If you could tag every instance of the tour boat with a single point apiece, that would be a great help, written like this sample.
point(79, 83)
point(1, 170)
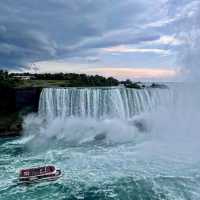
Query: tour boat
point(49, 173)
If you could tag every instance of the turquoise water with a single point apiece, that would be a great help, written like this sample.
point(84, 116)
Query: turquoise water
point(159, 162)
point(123, 171)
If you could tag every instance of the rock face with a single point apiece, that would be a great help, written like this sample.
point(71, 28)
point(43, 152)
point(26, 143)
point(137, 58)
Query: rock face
point(7, 100)
point(14, 103)
point(10, 124)
point(27, 98)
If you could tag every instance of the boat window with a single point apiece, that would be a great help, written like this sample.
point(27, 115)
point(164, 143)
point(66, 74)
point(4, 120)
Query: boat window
point(52, 168)
point(37, 171)
point(25, 173)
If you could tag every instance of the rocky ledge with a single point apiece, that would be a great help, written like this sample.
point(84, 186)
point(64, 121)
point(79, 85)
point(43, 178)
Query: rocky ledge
point(10, 124)
point(14, 104)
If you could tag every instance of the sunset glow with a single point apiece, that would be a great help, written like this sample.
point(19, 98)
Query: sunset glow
point(136, 73)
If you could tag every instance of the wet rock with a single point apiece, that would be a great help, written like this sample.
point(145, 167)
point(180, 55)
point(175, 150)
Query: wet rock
point(158, 85)
point(100, 137)
point(140, 124)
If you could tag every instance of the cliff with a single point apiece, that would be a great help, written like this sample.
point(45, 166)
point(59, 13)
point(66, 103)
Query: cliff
point(14, 103)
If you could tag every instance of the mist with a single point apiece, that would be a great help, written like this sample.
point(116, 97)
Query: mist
point(188, 56)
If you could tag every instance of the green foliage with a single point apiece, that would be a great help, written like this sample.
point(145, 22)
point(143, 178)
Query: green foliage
point(5, 80)
point(65, 80)
point(72, 79)
point(4, 75)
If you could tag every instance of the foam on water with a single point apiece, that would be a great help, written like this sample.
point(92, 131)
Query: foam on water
point(158, 161)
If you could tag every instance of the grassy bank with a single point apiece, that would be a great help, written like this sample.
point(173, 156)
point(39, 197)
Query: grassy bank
point(42, 83)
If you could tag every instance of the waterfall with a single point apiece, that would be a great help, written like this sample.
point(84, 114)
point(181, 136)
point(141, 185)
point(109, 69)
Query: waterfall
point(98, 103)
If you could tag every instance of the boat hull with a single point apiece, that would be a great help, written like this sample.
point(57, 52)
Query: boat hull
point(35, 179)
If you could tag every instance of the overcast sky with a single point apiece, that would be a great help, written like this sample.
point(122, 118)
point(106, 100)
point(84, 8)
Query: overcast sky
point(124, 38)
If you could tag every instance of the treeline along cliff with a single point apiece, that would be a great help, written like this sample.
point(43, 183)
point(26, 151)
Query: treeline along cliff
point(20, 93)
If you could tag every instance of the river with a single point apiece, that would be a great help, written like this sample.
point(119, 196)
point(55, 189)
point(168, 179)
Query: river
point(110, 143)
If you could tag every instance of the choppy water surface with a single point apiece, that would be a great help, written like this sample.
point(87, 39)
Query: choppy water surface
point(159, 162)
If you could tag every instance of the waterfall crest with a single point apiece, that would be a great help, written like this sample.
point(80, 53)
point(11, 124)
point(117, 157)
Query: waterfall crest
point(99, 103)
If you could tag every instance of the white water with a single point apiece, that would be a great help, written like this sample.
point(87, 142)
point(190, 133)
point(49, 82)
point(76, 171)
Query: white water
point(76, 115)
point(98, 103)
point(159, 162)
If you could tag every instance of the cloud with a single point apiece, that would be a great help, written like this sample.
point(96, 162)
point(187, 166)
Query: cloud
point(32, 31)
point(91, 31)
point(175, 12)
point(92, 59)
point(121, 73)
point(119, 37)
point(136, 73)
point(126, 49)
point(168, 40)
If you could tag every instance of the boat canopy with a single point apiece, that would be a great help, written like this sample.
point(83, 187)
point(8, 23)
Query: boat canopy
point(37, 171)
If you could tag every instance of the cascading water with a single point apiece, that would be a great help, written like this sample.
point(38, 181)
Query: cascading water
point(80, 115)
point(111, 143)
point(100, 103)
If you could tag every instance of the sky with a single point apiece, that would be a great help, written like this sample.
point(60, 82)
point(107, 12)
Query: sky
point(136, 39)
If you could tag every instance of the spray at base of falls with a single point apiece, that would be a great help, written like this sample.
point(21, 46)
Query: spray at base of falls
point(78, 116)
point(112, 115)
